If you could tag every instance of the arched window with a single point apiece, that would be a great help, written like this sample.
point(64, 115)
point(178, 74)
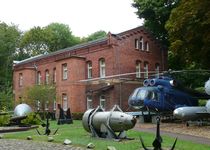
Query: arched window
point(146, 70)
point(141, 43)
point(64, 71)
point(54, 75)
point(102, 68)
point(146, 46)
point(157, 69)
point(65, 101)
point(39, 78)
point(47, 76)
point(138, 69)
point(20, 79)
point(136, 44)
point(89, 69)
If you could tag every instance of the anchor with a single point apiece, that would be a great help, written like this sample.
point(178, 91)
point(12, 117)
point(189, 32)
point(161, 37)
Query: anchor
point(158, 139)
point(47, 127)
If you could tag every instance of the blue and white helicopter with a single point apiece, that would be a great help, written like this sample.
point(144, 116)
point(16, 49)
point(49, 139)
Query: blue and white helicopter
point(164, 94)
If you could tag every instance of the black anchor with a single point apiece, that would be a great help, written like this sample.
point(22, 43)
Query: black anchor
point(158, 139)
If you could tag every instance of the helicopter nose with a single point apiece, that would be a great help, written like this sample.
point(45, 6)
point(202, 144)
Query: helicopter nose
point(137, 104)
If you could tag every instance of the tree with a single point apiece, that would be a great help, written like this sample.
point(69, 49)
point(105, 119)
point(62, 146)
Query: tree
point(155, 14)
point(59, 36)
point(189, 34)
point(9, 38)
point(96, 35)
point(44, 94)
point(33, 42)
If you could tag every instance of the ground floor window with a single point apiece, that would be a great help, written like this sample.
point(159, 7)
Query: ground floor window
point(65, 101)
point(102, 101)
point(89, 102)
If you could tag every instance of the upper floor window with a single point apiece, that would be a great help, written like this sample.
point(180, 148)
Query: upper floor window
point(102, 68)
point(64, 71)
point(54, 75)
point(89, 69)
point(146, 46)
point(136, 44)
point(65, 101)
point(146, 70)
point(89, 102)
point(47, 77)
point(138, 69)
point(141, 43)
point(102, 101)
point(39, 78)
point(157, 69)
point(20, 79)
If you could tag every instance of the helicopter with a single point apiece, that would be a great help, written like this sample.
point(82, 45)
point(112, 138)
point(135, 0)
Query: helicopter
point(164, 94)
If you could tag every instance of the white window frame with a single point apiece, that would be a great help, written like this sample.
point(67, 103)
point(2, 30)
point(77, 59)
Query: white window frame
point(47, 76)
point(65, 101)
point(54, 75)
point(102, 101)
point(141, 43)
point(146, 70)
point(64, 71)
point(157, 70)
point(54, 105)
point(20, 79)
point(102, 68)
point(46, 105)
point(138, 69)
point(146, 46)
point(136, 44)
point(39, 78)
point(89, 69)
point(89, 102)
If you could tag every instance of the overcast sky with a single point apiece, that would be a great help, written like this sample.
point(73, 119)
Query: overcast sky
point(83, 16)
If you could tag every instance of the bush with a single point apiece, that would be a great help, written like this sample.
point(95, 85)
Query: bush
point(32, 119)
point(4, 120)
point(77, 116)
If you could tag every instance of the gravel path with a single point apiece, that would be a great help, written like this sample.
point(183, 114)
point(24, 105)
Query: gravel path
point(177, 132)
point(8, 144)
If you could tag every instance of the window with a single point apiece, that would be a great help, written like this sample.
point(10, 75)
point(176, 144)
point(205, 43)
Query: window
point(138, 69)
point(65, 71)
point(141, 43)
point(157, 70)
point(65, 101)
point(54, 75)
point(39, 78)
point(136, 44)
point(46, 106)
point(102, 68)
point(47, 76)
point(38, 105)
point(89, 102)
point(102, 101)
point(20, 79)
point(146, 70)
point(146, 46)
point(54, 105)
point(89, 70)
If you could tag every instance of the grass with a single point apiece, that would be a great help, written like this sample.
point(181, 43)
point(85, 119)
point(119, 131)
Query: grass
point(80, 137)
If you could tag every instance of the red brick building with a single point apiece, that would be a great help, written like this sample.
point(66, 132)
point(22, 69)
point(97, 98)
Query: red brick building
point(101, 72)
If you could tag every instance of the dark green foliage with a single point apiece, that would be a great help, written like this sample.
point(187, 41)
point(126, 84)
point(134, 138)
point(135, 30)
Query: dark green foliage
point(95, 36)
point(189, 34)
point(32, 119)
point(77, 116)
point(155, 14)
point(4, 120)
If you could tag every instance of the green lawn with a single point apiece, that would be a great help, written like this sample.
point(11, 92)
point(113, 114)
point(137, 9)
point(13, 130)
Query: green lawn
point(80, 137)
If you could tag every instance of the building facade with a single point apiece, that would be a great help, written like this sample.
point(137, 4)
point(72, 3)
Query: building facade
point(101, 72)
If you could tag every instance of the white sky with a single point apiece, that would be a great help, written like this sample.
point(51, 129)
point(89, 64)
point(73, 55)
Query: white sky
point(83, 16)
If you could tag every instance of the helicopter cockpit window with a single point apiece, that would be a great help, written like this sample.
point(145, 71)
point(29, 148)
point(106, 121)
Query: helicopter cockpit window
point(142, 94)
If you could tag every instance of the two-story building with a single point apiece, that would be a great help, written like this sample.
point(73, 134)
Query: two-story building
point(101, 72)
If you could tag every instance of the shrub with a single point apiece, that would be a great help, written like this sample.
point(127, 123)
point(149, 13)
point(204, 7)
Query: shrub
point(32, 119)
point(4, 120)
point(77, 115)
